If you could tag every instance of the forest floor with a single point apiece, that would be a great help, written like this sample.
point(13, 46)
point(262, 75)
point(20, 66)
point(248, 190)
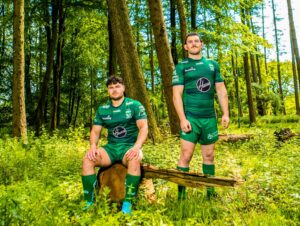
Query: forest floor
point(40, 182)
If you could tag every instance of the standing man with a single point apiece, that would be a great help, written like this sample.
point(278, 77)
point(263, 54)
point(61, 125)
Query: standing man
point(126, 122)
point(195, 80)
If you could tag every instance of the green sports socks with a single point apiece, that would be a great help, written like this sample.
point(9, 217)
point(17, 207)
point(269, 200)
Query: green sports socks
point(209, 170)
point(131, 184)
point(181, 189)
point(89, 183)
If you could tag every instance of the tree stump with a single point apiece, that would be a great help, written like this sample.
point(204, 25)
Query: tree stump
point(114, 176)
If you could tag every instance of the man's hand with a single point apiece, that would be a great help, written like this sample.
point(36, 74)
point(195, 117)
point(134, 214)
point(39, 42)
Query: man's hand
point(185, 125)
point(133, 153)
point(225, 121)
point(93, 153)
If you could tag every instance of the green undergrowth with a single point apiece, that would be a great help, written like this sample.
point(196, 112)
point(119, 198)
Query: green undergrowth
point(40, 183)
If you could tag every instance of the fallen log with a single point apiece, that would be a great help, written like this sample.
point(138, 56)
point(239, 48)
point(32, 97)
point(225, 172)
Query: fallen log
point(113, 177)
point(188, 179)
point(285, 134)
point(235, 137)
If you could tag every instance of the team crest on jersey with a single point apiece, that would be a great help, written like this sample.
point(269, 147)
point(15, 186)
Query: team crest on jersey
point(211, 66)
point(119, 132)
point(142, 111)
point(128, 114)
point(203, 85)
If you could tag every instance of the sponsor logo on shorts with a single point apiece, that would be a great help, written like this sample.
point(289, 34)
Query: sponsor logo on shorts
point(210, 136)
point(203, 85)
point(119, 132)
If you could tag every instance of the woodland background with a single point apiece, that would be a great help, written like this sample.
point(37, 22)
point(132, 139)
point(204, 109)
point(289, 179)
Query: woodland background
point(55, 57)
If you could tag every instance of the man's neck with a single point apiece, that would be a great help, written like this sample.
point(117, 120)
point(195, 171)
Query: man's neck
point(117, 103)
point(195, 57)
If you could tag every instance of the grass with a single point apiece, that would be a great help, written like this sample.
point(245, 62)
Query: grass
point(40, 183)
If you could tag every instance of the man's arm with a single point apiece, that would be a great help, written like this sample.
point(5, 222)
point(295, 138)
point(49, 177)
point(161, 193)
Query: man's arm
point(94, 138)
point(223, 100)
point(178, 104)
point(142, 125)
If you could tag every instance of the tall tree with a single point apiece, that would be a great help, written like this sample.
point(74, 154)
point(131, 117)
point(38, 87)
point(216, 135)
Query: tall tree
point(112, 61)
point(183, 29)
point(278, 59)
point(18, 94)
point(51, 45)
point(264, 35)
point(128, 59)
point(294, 38)
point(295, 55)
point(252, 116)
point(57, 70)
point(164, 56)
point(173, 31)
point(193, 14)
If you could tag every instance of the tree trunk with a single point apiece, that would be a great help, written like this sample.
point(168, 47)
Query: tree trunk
point(278, 60)
point(129, 61)
point(166, 64)
point(51, 41)
point(264, 36)
point(28, 94)
point(112, 61)
point(237, 92)
point(173, 31)
point(294, 39)
point(57, 71)
point(77, 110)
point(18, 92)
point(183, 29)
point(249, 91)
point(193, 14)
point(151, 60)
point(296, 90)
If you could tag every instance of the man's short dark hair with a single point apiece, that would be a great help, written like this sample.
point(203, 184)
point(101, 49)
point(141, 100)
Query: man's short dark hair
point(114, 80)
point(192, 34)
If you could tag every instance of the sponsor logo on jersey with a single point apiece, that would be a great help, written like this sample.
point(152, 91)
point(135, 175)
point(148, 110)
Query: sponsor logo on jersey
point(116, 111)
point(119, 132)
point(212, 135)
point(105, 106)
point(211, 66)
point(185, 62)
point(199, 63)
point(203, 85)
point(129, 103)
point(108, 117)
point(189, 69)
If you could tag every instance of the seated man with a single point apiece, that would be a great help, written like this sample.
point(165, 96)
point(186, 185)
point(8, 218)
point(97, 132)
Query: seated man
point(126, 122)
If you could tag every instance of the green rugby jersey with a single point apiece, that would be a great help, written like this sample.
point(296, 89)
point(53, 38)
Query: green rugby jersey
point(121, 121)
point(199, 78)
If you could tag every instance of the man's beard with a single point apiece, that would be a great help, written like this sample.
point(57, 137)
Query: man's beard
point(116, 98)
point(195, 53)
